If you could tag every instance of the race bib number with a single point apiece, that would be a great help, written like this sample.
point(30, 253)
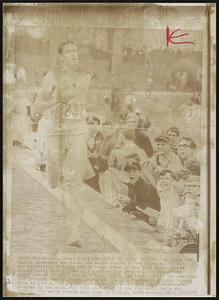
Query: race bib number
point(74, 111)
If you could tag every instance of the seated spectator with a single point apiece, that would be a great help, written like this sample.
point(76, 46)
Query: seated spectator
point(140, 193)
point(141, 138)
point(103, 151)
point(168, 201)
point(173, 134)
point(179, 186)
point(186, 149)
point(165, 158)
point(187, 213)
point(94, 136)
point(130, 149)
point(116, 177)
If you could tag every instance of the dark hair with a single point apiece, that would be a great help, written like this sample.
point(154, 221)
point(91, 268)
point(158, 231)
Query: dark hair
point(174, 129)
point(132, 165)
point(60, 49)
point(190, 140)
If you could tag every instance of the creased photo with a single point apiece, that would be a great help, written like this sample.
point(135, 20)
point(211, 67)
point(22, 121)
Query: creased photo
point(109, 117)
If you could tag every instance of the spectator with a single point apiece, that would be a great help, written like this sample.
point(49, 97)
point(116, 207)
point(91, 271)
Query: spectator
point(104, 149)
point(165, 158)
point(130, 148)
point(141, 194)
point(143, 142)
point(141, 139)
point(94, 136)
point(143, 121)
point(186, 149)
point(168, 201)
point(173, 134)
point(187, 213)
point(129, 106)
point(117, 179)
point(179, 183)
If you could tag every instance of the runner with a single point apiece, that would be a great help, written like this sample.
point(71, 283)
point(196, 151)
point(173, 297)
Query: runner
point(63, 94)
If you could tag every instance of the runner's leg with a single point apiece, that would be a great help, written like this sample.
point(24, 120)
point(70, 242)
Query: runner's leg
point(53, 161)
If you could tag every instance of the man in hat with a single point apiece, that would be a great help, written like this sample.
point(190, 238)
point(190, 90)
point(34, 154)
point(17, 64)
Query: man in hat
point(165, 158)
point(186, 149)
point(141, 193)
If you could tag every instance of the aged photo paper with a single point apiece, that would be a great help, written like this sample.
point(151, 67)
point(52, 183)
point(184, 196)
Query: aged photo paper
point(109, 149)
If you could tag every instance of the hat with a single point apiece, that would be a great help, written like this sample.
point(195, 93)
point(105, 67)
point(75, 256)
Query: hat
point(132, 165)
point(162, 138)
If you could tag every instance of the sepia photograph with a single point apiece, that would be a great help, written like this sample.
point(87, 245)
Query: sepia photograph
point(108, 110)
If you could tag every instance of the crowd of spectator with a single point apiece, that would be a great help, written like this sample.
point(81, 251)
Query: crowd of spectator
point(159, 184)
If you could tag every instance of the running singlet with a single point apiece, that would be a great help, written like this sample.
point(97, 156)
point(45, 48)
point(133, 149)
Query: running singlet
point(70, 88)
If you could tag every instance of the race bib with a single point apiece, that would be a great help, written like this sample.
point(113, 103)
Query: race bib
point(72, 111)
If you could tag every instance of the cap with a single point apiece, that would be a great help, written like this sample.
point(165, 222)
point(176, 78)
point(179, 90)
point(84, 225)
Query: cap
point(162, 138)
